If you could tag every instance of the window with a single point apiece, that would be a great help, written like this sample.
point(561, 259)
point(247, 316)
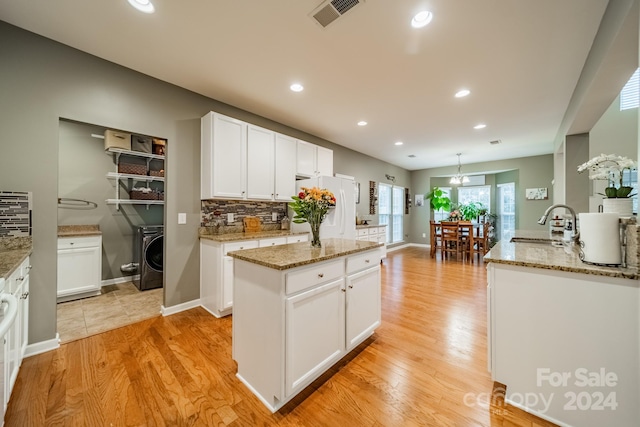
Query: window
point(391, 211)
point(442, 215)
point(506, 226)
point(629, 94)
point(480, 193)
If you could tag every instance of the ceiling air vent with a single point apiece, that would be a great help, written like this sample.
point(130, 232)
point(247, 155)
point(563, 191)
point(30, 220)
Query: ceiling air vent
point(495, 141)
point(331, 10)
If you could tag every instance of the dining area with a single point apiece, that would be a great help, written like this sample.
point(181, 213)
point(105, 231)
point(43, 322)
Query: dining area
point(459, 240)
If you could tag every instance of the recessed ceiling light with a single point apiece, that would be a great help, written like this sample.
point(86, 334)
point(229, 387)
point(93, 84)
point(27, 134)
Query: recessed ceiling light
point(142, 5)
point(480, 126)
point(296, 87)
point(462, 93)
point(399, 143)
point(362, 123)
point(421, 19)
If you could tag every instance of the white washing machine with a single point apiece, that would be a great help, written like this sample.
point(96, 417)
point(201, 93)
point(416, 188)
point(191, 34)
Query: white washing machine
point(149, 253)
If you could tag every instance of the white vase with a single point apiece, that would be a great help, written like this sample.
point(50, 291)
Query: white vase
point(623, 206)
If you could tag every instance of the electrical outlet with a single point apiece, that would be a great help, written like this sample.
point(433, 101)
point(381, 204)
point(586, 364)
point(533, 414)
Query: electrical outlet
point(182, 218)
point(424, 235)
point(230, 218)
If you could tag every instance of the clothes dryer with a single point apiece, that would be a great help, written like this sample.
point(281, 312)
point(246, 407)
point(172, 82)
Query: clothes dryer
point(150, 249)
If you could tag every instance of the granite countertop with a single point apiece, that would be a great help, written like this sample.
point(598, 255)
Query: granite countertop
point(546, 256)
point(283, 257)
point(13, 250)
point(79, 230)
point(235, 237)
point(359, 226)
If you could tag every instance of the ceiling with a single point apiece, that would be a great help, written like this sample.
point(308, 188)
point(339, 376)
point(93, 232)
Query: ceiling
point(520, 59)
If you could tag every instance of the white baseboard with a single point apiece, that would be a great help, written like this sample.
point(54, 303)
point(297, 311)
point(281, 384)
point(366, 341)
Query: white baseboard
point(117, 280)
point(168, 311)
point(42, 346)
point(395, 248)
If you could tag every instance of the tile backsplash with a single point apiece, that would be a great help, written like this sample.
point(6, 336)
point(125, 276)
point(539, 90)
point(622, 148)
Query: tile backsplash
point(15, 214)
point(210, 210)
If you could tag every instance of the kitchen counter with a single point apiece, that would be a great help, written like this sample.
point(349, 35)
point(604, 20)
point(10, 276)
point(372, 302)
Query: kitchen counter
point(236, 237)
point(79, 230)
point(543, 255)
point(283, 257)
point(13, 250)
point(361, 226)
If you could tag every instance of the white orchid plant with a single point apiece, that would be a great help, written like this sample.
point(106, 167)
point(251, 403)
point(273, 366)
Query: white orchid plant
point(610, 167)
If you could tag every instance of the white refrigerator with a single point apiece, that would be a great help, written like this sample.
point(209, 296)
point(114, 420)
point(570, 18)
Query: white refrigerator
point(340, 221)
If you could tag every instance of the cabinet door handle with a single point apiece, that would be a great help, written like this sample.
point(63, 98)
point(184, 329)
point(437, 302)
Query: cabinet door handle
point(320, 275)
point(20, 279)
point(350, 286)
point(343, 289)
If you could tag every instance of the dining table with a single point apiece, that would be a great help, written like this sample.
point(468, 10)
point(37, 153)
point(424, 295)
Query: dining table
point(461, 242)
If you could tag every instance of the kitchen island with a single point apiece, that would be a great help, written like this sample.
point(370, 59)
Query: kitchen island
point(564, 336)
point(298, 310)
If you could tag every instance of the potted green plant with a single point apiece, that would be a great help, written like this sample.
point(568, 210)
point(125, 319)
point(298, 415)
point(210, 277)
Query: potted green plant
point(470, 211)
point(438, 199)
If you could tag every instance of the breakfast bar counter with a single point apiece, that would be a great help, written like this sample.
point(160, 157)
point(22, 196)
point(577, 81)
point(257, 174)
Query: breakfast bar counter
point(298, 310)
point(563, 336)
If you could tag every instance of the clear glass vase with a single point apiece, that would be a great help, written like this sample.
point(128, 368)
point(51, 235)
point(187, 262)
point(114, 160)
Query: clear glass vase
point(315, 235)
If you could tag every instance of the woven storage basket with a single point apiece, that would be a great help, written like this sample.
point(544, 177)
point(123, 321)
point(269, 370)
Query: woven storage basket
point(132, 168)
point(141, 195)
point(156, 173)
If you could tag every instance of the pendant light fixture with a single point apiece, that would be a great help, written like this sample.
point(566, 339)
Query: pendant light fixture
point(458, 178)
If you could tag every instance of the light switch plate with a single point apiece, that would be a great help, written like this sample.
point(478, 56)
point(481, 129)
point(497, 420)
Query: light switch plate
point(182, 218)
point(230, 218)
point(274, 216)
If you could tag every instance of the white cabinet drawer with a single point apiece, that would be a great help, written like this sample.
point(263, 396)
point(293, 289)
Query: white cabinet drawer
point(79, 242)
point(363, 232)
point(298, 238)
point(314, 275)
point(361, 261)
point(273, 241)
point(382, 230)
point(238, 246)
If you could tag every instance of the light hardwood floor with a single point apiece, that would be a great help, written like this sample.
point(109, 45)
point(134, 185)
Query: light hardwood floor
point(424, 366)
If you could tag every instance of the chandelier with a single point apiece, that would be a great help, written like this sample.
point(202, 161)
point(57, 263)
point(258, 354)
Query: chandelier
point(458, 178)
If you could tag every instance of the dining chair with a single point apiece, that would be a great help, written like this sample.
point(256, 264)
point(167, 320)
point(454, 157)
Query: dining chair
point(450, 239)
point(435, 236)
point(465, 238)
point(480, 244)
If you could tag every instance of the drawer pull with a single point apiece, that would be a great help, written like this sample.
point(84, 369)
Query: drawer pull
point(320, 275)
point(241, 247)
point(20, 279)
point(366, 261)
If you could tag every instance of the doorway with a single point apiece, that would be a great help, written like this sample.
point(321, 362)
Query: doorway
point(95, 194)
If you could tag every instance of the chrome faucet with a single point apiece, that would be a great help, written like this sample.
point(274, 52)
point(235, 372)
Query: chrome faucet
point(543, 219)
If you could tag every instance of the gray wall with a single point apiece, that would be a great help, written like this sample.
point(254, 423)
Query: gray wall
point(576, 152)
point(42, 81)
point(531, 172)
point(83, 166)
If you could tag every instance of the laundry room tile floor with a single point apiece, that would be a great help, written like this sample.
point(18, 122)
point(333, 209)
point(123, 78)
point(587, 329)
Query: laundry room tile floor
point(119, 305)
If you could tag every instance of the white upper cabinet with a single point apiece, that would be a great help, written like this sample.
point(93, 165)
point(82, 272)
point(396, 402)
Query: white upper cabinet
point(285, 167)
point(313, 160)
point(224, 154)
point(324, 161)
point(243, 161)
point(260, 163)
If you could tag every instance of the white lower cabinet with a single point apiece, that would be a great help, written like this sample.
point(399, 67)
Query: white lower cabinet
point(290, 326)
point(17, 337)
point(216, 270)
point(374, 234)
point(314, 333)
point(79, 267)
point(363, 305)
